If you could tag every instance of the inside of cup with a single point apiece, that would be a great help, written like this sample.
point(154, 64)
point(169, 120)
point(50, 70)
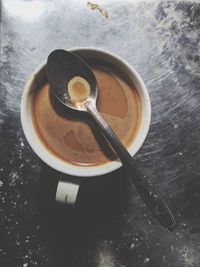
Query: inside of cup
point(39, 76)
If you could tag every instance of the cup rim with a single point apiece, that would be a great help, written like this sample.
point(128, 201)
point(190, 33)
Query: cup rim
point(77, 170)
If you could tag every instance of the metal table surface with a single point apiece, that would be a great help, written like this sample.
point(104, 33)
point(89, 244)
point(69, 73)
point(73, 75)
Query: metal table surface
point(110, 225)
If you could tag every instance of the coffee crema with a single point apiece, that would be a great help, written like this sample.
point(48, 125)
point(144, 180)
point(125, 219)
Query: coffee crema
point(78, 89)
point(73, 136)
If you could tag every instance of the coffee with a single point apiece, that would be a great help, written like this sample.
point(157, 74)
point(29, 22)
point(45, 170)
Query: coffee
point(73, 137)
point(78, 89)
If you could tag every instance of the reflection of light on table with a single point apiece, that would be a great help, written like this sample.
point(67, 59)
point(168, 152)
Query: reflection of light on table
point(25, 10)
point(187, 254)
point(106, 254)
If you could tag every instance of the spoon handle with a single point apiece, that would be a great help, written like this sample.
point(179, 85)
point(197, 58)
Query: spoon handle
point(145, 187)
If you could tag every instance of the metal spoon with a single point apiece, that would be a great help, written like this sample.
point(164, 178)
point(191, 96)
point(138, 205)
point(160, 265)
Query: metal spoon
point(62, 66)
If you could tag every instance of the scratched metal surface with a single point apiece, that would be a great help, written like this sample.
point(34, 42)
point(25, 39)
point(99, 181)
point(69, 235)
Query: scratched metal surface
point(110, 226)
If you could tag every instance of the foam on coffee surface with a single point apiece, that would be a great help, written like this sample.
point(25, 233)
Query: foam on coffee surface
point(78, 141)
point(78, 89)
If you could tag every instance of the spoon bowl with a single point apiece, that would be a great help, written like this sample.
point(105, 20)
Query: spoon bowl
point(60, 72)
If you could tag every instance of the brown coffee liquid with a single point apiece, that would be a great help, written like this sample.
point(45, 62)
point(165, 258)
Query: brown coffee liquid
point(75, 138)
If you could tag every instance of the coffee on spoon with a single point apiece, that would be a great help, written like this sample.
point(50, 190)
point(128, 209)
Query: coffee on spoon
point(78, 89)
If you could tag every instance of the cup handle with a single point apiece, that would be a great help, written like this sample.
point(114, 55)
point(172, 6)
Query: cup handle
point(67, 190)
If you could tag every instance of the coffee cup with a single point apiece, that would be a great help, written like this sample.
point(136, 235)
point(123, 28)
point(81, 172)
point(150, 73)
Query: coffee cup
point(67, 190)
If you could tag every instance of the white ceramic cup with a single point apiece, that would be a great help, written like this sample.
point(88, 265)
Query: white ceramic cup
point(36, 79)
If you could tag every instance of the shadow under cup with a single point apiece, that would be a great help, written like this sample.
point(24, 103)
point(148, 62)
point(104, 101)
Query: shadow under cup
point(39, 77)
